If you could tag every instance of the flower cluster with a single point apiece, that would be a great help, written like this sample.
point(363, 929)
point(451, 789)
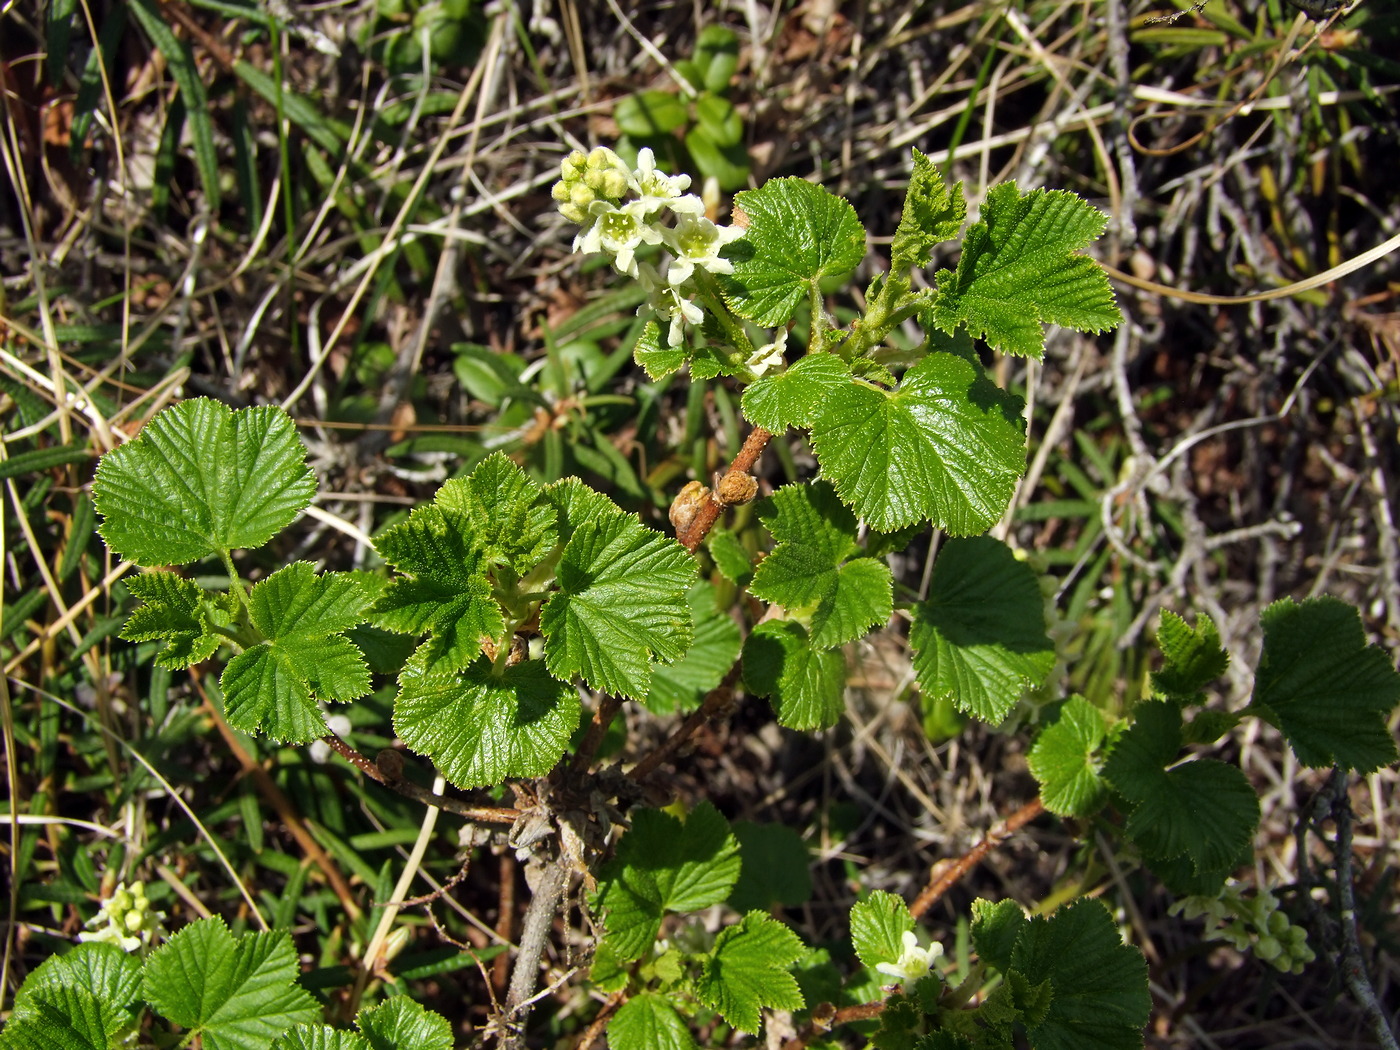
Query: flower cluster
point(1254, 924)
point(126, 919)
point(619, 209)
point(914, 962)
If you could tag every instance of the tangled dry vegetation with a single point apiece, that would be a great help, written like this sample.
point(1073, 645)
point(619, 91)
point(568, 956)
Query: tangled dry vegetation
point(371, 220)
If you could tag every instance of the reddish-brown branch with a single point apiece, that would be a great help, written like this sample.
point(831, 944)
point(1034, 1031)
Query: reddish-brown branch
point(845, 1015)
point(705, 518)
point(718, 698)
point(593, 739)
point(944, 876)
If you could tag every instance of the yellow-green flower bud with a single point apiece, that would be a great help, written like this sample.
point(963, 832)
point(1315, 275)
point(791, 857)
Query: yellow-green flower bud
point(560, 191)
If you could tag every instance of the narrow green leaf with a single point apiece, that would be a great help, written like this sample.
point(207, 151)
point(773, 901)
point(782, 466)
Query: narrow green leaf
point(878, 926)
point(200, 479)
point(1324, 687)
point(479, 727)
point(1194, 658)
point(1064, 760)
point(947, 445)
point(664, 865)
point(793, 397)
point(648, 1022)
point(1099, 983)
point(747, 971)
point(809, 573)
point(180, 61)
point(236, 993)
point(806, 684)
point(1017, 272)
point(38, 459)
point(330, 135)
point(798, 233)
point(620, 604)
point(979, 638)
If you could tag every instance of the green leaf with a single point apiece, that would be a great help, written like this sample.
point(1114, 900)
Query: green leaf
point(319, 1037)
point(806, 684)
point(732, 558)
point(717, 56)
point(878, 925)
point(682, 685)
point(747, 971)
point(1204, 808)
point(1064, 760)
point(621, 603)
point(947, 445)
point(234, 993)
point(798, 233)
point(649, 114)
point(1016, 272)
point(1194, 658)
point(174, 612)
point(1327, 690)
point(445, 591)
point(505, 516)
point(658, 362)
point(75, 1001)
point(979, 639)
point(932, 213)
point(399, 1022)
point(808, 573)
point(648, 1022)
point(775, 868)
point(277, 686)
point(995, 928)
point(1100, 999)
point(664, 865)
point(792, 398)
point(480, 727)
point(201, 479)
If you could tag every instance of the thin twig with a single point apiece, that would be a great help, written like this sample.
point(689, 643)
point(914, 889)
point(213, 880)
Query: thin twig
point(944, 878)
point(715, 702)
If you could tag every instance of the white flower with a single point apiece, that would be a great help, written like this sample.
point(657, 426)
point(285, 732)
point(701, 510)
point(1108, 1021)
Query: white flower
point(914, 963)
point(769, 355)
point(617, 231)
point(655, 189)
point(697, 242)
point(125, 919)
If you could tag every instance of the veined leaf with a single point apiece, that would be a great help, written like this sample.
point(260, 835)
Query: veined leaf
point(649, 1022)
point(1325, 688)
point(682, 685)
point(1017, 272)
point(174, 611)
point(878, 926)
point(508, 520)
point(807, 685)
point(798, 233)
point(275, 687)
point(932, 213)
point(1064, 760)
point(400, 1022)
point(793, 398)
point(201, 479)
point(1194, 658)
point(480, 727)
point(747, 971)
point(947, 445)
point(979, 638)
point(809, 573)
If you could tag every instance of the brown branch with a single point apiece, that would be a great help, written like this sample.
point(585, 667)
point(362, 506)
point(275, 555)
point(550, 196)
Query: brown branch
point(597, 729)
point(715, 702)
point(594, 1031)
point(820, 1026)
point(945, 876)
point(539, 918)
point(730, 491)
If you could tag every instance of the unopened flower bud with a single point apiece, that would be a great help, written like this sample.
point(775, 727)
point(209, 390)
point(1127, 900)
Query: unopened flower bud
point(687, 504)
point(737, 487)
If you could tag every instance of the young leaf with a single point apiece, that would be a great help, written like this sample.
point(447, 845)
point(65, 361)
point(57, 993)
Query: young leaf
point(878, 925)
point(236, 993)
point(657, 361)
point(979, 638)
point(648, 1022)
point(174, 612)
point(946, 445)
point(798, 233)
point(621, 602)
point(932, 213)
point(808, 572)
point(507, 520)
point(445, 590)
point(1064, 761)
point(1194, 658)
point(479, 727)
point(1099, 983)
point(806, 684)
point(731, 557)
point(276, 686)
point(1324, 687)
point(1016, 272)
point(1204, 808)
point(663, 865)
point(400, 1022)
point(792, 398)
point(995, 929)
point(682, 685)
point(201, 479)
point(747, 971)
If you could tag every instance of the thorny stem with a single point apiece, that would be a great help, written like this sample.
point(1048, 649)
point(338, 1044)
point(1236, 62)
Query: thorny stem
point(707, 515)
point(943, 878)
